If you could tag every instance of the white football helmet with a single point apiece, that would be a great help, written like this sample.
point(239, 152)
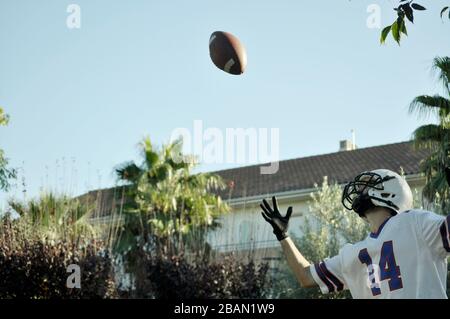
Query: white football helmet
point(380, 187)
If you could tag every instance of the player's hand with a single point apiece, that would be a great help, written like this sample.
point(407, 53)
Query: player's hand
point(279, 223)
point(447, 174)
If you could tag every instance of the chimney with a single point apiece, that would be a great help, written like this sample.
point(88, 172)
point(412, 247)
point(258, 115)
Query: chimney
point(346, 145)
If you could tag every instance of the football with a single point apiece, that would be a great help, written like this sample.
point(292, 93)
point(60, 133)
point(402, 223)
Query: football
point(227, 52)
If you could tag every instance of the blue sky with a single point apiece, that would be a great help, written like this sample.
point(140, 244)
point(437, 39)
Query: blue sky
point(81, 99)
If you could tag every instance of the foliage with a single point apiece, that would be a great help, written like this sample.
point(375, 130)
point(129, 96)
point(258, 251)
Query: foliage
point(434, 206)
point(405, 12)
point(33, 268)
point(327, 228)
point(56, 217)
point(4, 118)
point(435, 137)
point(327, 210)
point(168, 201)
point(176, 277)
point(5, 172)
point(168, 209)
point(37, 247)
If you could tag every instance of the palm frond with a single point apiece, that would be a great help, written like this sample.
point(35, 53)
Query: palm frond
point(441, 65)
point(56, 216)
point(150, 155)
point(437, 185)
point(128, 172)
point(435, 137)
point(168, 199)
point(426, 105)
point(428, 135)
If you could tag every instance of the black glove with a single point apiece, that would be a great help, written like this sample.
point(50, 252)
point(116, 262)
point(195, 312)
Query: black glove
point(279, 223)
point(447, 173)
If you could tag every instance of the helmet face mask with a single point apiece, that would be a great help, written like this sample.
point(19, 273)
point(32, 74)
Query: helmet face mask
point(381, 188)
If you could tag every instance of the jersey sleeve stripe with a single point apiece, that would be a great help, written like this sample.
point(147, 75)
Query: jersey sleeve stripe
point(324, 278)
point(339, 285)
point(445, 234)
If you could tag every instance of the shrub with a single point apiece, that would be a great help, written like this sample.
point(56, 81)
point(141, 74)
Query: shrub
point(176, 277)
point(33, 268)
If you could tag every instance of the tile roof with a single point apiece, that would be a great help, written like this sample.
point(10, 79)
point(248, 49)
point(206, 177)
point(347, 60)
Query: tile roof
point(303, 173)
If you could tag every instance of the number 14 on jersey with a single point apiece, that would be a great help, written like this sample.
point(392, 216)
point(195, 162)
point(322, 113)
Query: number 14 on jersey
point(387, 269)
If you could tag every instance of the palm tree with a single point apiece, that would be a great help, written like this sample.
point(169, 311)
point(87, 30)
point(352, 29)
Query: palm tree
point(57, 218)
point(435, 137)
point(169, 203)
point(168, 211)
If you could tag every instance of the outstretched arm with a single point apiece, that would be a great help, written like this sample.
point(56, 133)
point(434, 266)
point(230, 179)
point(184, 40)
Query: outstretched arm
point(298, 264)
point(296, 261)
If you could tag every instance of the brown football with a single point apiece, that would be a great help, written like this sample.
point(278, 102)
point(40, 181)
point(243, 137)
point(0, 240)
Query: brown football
point(227, 52)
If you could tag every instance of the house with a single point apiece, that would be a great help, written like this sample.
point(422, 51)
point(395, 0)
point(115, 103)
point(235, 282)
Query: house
point(244, 230)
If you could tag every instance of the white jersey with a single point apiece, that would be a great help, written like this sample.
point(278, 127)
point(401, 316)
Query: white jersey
point(406, 258)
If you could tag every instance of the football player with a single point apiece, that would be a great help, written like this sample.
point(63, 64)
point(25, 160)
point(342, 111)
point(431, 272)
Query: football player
point(404, 256)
